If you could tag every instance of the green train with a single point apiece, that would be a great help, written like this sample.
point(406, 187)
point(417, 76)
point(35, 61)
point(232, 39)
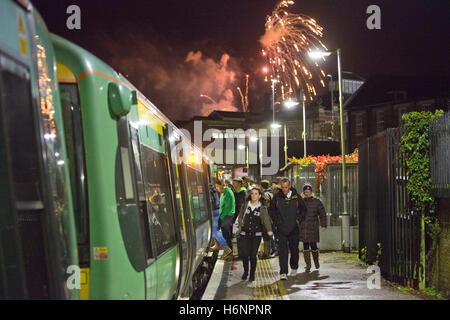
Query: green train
point(94, 204)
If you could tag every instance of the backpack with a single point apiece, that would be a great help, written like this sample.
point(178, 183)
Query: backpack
point(215, 200)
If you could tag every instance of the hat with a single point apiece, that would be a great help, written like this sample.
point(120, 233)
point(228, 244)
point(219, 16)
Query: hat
point(307, 186)
point(266, 181)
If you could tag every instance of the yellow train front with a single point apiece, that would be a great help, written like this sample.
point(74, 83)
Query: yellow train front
point(126, 218)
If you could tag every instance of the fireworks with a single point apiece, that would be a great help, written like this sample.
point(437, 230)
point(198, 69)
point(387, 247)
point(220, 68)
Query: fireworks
point(244, 99)
point(286, 43)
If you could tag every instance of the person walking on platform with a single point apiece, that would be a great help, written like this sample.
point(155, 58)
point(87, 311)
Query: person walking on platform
point(309, 227)
point(226, 210)
point(220, 241)
point(240, 195)
point(288, 209)
point(253, 219)
point(270, 246)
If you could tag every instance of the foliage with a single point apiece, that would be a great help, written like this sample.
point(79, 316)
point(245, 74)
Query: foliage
point(415, 145)
point(377, 259)
point(321, 162)
point(433, 292)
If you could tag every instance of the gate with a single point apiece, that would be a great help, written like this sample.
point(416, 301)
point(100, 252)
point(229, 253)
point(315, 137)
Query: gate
point(385, 215)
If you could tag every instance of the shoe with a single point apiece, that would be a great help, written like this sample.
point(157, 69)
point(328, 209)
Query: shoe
point(293, 272)
point(244, 276)
point(227, 253)
point(315, 254)
point(283, 276)
point(307, 257)
point(252, 277)
point(215, 247)
point(274, 254)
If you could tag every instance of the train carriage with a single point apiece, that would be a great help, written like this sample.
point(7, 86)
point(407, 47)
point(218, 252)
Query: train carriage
point(88, 179)
point(131, 222)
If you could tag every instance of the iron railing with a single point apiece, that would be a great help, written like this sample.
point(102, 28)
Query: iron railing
point(387, 223)
point(439, 156)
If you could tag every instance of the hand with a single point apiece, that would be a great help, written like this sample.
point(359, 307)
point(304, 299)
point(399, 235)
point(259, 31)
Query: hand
point(270, 233)
point(324, 228)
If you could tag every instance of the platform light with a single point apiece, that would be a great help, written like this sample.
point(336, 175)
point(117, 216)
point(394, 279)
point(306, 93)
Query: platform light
point(193, 159)
point(275, 125)
point(290, 103)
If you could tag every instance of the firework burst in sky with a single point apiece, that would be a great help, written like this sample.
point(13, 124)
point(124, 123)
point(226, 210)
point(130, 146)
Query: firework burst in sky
point(286, 43)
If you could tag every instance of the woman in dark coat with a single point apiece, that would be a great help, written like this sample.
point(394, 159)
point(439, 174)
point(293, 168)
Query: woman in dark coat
point(309, 227)
point(253, 221)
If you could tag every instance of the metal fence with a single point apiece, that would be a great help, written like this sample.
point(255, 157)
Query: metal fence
point(331, 189)
point(439, 156)
point(387, 223)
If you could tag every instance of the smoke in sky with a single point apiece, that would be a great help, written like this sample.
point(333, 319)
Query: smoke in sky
point(174, 80)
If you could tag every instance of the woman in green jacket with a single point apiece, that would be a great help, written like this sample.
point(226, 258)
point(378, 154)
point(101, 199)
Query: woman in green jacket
point(252, 217)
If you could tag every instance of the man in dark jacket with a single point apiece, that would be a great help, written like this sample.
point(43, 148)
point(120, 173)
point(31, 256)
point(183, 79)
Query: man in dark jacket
point(288, 210)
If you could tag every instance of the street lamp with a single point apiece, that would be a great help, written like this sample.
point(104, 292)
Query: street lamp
point(345, 215)
point(290, 104)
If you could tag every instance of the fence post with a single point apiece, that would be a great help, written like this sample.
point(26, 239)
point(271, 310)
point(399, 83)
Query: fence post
point(422, 281)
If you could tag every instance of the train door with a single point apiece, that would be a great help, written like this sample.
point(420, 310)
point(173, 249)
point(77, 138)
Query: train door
point(182, 222)
point(74, 141)
point(186, 221)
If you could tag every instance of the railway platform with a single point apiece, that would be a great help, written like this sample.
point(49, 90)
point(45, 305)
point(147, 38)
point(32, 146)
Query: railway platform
point(340, 277)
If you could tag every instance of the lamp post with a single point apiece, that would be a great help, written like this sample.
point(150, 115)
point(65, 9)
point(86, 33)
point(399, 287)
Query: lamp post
point(274, 125)
point(345, 215)
point(332, 98)
point(289, 104)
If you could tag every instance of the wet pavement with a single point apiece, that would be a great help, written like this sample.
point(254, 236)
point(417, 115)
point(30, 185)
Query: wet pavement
point(340, 277)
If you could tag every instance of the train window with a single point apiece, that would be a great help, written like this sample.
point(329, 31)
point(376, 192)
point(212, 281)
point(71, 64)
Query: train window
point(73, 132)
point(142, 203)
point(158, 194)
point(126, 171)
point(20, 126)
point(198, 198)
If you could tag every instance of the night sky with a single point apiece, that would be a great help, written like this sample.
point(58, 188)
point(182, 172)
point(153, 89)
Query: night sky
point(173, 50)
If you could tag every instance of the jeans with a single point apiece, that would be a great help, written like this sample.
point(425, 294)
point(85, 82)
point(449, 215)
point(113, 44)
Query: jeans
point(216, 233)
point(249, 249)
point(226, 225)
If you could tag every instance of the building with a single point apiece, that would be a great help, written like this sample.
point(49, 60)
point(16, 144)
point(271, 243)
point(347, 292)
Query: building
point(380, 102)
point(246, 129)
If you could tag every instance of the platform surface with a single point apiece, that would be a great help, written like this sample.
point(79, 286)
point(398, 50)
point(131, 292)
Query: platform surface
point(340, 277)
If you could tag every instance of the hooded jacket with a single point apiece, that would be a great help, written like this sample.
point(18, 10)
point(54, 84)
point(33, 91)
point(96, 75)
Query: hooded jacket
point(287, 211)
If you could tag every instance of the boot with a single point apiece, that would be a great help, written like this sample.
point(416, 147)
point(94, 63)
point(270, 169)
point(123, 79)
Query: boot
point(315, 254)
point(307, 257)
point(215, 247)
point(227, 253)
